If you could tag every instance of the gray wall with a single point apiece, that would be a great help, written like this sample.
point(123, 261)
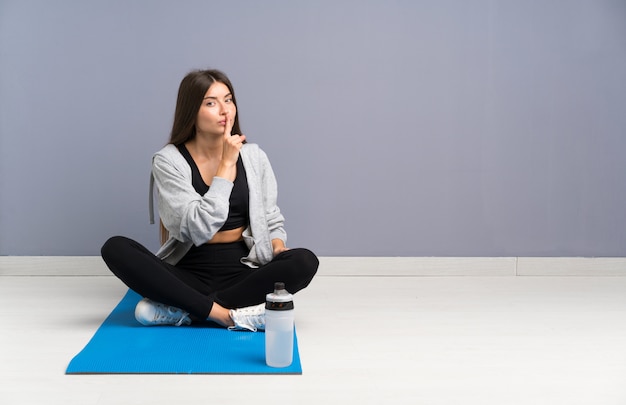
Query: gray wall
point(396, 128)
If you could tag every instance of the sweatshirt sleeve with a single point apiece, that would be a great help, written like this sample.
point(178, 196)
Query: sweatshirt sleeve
point(187, 215)
point(275, 219)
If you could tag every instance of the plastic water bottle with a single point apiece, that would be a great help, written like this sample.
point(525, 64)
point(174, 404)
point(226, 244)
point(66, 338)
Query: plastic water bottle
point(279, 327)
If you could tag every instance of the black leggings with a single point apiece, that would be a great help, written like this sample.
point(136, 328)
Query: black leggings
point(207, 274)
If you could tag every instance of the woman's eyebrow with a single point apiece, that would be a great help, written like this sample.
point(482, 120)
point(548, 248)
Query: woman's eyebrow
point(215, 98)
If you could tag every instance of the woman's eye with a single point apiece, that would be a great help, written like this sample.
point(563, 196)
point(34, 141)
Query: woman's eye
point(229, 100)
point(210, 103)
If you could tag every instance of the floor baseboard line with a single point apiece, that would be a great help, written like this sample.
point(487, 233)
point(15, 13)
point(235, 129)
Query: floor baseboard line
point(361, 266)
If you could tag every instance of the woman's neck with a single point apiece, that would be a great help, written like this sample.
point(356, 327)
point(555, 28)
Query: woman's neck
point(208, 147)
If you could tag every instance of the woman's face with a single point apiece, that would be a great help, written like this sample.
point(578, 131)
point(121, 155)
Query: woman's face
point(217, 106)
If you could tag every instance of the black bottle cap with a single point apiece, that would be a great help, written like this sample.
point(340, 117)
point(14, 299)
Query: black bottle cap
point(280, 299)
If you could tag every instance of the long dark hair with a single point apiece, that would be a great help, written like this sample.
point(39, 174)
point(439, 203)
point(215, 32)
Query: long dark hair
point(191, 93)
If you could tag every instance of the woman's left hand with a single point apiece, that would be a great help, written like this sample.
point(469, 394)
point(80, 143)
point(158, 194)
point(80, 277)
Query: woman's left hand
point(279, 246)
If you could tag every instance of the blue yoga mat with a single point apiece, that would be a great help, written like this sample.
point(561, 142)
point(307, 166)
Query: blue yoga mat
point(122, 346)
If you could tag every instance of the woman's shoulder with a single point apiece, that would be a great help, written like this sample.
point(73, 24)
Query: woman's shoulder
point(254, 151)
point(250, 147)
point(169, 152)
point(169, 158)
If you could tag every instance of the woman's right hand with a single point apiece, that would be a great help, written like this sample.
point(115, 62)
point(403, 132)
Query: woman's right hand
point(230, 152)
point(232, 143)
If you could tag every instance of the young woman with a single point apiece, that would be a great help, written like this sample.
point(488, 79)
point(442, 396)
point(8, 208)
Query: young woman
point(217, 198)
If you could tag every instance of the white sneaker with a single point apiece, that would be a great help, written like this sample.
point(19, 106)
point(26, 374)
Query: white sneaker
point(150, 313)
point(249, 318)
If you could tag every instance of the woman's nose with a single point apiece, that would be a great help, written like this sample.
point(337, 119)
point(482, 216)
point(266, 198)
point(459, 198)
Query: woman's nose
point(225, 109)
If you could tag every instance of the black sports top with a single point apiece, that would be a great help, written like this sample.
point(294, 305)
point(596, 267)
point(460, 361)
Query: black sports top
point(239, 197)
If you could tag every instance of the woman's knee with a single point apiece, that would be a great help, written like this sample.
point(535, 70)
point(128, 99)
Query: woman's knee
point(305, 261)
point(114, 248)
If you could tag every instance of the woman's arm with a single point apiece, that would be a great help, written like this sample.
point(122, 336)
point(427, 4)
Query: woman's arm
point(275, 219)
point(187, 215)
point(278, 246)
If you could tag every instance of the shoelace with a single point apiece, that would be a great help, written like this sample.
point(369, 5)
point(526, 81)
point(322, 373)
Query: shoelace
point(181, 320)
point(254, 315)
point(170, 314)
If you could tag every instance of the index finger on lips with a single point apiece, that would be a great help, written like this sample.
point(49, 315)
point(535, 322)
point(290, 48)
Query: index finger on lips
point(228, 128)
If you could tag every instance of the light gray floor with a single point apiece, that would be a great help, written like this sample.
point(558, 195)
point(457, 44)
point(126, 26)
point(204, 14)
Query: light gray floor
point(363, 340)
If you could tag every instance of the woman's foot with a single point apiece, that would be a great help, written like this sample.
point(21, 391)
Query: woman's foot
point(248, 318)
point(151, 313)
